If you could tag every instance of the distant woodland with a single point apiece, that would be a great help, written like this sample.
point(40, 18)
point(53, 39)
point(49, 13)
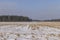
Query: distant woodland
point(5, 18)
point(52, 20)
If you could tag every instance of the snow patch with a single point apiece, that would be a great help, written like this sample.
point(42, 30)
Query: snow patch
point(28, 33)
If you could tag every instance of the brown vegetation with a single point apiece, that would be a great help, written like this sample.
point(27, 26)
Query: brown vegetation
point(32, 23)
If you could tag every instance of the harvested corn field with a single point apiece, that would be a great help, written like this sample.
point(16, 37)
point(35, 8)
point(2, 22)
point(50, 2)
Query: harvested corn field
point(29, 31)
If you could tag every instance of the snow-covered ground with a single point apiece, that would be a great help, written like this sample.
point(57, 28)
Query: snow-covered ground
point(26, 32)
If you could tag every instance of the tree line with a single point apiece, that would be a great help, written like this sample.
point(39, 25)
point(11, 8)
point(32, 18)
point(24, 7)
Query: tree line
point(13, 18)
point(6, 18)
point(52, 20)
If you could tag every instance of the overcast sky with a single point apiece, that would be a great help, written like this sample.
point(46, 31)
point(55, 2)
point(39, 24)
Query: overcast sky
point(35, 9)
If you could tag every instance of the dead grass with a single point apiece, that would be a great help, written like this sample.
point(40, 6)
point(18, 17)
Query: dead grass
point(33, 24)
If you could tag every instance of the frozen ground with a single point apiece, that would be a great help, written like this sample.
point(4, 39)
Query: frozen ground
point(26, 32)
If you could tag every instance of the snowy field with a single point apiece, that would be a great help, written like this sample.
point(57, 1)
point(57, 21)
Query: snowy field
point(27, 32)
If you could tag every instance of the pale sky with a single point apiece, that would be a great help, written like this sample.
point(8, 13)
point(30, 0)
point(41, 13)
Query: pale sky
point(35, 9)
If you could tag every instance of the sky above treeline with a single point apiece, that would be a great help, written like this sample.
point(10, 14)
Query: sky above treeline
point(35, 9)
